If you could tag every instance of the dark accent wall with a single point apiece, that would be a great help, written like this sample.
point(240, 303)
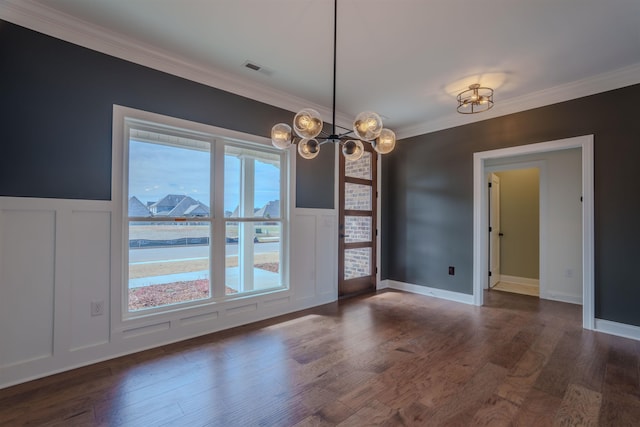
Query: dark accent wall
point(56, 116)
point(428, 203)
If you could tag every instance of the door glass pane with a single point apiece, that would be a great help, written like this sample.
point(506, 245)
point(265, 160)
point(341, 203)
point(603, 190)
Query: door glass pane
point(357, 197)
point(357, 229)
point(360, 168)
point(357, 263)
point(168, 263)
point(252, 256)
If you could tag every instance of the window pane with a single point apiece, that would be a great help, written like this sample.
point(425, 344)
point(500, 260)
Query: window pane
point(168, 263)
point(360, 168)
point(267, 188)
point(357, 263)
point(251, 183)
point(357, 229)
point(168, 180)
point(231, 186)
point(357, 197)
point(252, 256)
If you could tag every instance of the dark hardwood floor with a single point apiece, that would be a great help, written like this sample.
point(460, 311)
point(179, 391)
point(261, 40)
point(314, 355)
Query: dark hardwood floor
point(387, 359)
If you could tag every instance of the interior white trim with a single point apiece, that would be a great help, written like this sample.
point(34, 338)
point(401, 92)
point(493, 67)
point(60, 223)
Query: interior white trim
point(41, 18)
point(618, 329)
point(46, 20)
point(526, 281)
point(611, 80)
point(431, 292)
point(479, 215)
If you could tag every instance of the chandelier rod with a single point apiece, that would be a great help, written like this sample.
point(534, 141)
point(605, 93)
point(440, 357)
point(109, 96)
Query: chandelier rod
point(335, 38)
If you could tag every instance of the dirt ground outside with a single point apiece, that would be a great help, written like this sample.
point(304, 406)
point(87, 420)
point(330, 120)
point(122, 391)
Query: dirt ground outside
point(162, 268)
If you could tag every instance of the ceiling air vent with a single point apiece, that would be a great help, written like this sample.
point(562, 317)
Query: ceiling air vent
point(252, 66)
point(255, 67)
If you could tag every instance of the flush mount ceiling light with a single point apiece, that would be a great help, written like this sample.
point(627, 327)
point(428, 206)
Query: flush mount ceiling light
point(476, 99)
point(308, 126)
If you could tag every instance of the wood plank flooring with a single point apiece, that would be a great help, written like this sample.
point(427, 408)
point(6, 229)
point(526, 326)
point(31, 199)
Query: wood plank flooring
point(387, 359)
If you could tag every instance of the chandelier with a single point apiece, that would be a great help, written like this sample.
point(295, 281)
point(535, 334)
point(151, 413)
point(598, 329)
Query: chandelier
point(476, 99)
point(308, 127)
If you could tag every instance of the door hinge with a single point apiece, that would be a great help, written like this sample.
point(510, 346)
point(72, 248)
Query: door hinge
point(376, 270)
point(489, 185)
point(489, 274)
point(376, 232)
point(490, 229)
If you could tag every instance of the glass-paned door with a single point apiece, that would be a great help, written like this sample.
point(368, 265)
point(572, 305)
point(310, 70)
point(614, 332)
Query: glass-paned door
point(357, 243)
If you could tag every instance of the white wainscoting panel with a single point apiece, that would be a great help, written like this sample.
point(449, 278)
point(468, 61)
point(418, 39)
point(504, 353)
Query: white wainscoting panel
point(314, 255)
point(27, 272)
point(327, 256)
point(57, 256)
point(303, 254)
point(90, 277)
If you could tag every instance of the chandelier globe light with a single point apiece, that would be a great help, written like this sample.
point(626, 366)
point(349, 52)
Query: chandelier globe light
point(308, 126)
point(476, 99)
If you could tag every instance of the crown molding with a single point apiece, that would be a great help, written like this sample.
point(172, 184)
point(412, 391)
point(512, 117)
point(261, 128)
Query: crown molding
point(611, 80)
point(43, 19)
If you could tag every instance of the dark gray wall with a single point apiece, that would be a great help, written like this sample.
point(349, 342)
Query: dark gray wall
point(56, 117)
point(428, 203)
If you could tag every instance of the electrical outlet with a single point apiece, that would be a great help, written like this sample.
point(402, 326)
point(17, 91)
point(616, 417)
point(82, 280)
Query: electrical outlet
point(97, 308)
point(452, 271)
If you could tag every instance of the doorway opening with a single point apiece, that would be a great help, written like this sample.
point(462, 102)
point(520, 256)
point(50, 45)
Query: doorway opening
point(482, 160)
point(514, 193)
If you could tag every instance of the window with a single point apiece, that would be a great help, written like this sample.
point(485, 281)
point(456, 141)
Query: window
point(204, 217)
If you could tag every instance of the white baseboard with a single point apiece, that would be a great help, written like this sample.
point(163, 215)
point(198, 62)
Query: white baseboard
point(431, 292)
point(562, 297)
point(520, 280)
point(618, 329)
point(383, 284)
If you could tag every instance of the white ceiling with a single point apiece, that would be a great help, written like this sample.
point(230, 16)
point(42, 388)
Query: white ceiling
point(405, 59)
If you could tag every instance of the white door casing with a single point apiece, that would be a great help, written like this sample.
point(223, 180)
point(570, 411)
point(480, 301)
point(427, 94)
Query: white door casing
point(480, 219)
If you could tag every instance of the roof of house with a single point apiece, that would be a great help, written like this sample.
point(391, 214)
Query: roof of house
point(137, 208)
point(270, 210)
point(189, 207)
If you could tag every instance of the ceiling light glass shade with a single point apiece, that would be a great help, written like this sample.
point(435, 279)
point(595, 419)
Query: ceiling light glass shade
point(385, 143)
point(367, 125)
point(281, 136)
point(476, 99)
point(308, 148)
point(307, 123)
point(353, 149)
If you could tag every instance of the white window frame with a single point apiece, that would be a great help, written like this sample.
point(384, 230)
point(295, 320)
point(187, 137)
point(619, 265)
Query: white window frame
point(123, 120)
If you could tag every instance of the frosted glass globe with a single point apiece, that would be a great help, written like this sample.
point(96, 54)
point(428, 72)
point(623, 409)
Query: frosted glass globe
point(367, 125)
point(307, 123)
point(281, 136)
point(386, 142)
point(308, 148)
point(353, 149)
